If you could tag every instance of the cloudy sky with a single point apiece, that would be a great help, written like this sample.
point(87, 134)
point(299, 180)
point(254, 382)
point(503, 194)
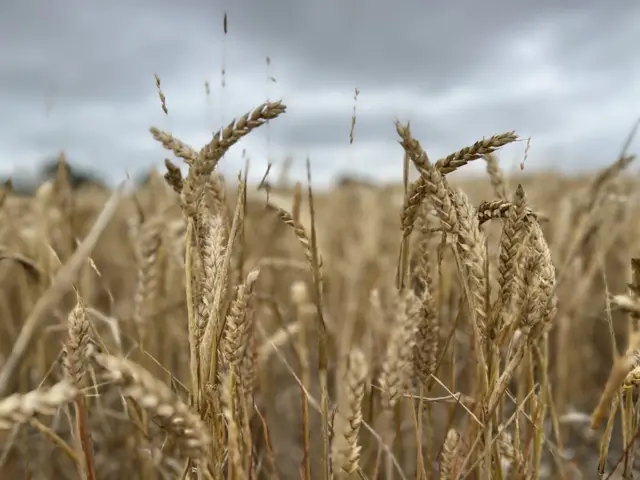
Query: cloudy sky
point(77, 75)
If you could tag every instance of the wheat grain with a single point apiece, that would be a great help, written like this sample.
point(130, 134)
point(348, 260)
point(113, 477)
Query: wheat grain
point(154, 396)
point(20, 408)
point(345, 450)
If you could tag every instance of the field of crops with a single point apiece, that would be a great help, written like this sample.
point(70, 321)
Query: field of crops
point(202, 327)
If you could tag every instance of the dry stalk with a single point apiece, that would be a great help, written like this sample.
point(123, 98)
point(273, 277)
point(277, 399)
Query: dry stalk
point(146, 295)
point(496, 175)
point(76, 353)
point(61, 282)
point(163, 404)
point(19, 408)
point(345, 450)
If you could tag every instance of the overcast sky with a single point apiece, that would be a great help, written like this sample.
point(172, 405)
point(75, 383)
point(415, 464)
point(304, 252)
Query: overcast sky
point(77, 75)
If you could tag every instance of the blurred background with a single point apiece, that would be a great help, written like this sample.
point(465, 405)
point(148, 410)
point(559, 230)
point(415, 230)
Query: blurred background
point(78, 76)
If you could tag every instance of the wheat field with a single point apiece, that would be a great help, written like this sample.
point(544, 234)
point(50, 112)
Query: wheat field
point(203, 327)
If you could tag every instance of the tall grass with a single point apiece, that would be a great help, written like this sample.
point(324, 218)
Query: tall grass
point(203, 328)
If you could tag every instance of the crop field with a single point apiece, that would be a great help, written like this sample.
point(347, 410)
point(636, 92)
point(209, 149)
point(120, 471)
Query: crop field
point(200, 327)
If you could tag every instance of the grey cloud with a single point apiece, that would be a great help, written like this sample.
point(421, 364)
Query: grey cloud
point(108, 50)
point(599, 40)
point(94, 62)
point(98, 50)
point(374, 43)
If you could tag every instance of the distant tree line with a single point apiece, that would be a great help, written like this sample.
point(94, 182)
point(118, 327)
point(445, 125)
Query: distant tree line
point(78, 177)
